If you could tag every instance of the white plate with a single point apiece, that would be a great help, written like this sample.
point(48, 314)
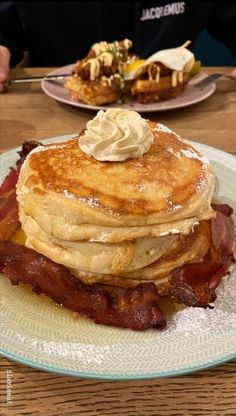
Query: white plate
point(37, 332)
point(191, 95)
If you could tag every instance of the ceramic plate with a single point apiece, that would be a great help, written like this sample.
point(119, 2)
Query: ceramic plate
point(37, 332)
point(191, 95)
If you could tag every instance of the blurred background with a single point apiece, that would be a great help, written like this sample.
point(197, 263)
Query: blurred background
point(212, 53)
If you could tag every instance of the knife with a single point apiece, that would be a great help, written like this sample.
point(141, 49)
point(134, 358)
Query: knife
point(36, 79)
point(211, 78)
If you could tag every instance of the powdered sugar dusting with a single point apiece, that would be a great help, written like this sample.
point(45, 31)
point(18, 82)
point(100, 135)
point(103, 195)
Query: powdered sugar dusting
point(68, 194)
point(173, 206)
point(38, 149)
point(92, 202)
point(176, 154)
point(170, 232)
point(201, 186)
point(189, 153)
point(222, 318)
point(141, 187)
point(165, 129)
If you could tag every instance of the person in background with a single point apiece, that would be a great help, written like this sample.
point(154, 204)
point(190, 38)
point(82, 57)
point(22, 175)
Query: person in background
point(59, 33)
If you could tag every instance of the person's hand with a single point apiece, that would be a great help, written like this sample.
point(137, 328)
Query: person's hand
point(4, 65)
point(233, 73)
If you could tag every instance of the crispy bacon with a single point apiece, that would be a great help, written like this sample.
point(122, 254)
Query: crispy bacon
point(194, 284)
point(9, 221)
point(25, 150)
point(223, 208)
point(135, 308)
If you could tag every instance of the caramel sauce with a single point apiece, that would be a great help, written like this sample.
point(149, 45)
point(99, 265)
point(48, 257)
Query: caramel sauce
point(19, 237)
point(169, 306)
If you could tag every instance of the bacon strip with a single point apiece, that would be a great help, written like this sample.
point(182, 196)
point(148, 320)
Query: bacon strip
point(223, 208)
point(194, 284)
point(222, 235)
point(135, 308)
point(9, 221)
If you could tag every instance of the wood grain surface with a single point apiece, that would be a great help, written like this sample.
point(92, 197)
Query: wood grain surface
point(209, 393)
point(27, 113)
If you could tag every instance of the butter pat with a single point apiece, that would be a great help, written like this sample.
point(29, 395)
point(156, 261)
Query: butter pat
point(116, 135)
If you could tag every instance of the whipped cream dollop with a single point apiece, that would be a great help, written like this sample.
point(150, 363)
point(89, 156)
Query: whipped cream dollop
point(116, 135)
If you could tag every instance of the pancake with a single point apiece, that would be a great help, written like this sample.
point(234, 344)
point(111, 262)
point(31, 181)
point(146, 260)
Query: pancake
point(185, 249)
point(96, 257)
point(60, 228)
point(169, 183)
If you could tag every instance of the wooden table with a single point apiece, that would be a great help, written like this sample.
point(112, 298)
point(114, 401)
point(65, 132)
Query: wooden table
point(26, 113)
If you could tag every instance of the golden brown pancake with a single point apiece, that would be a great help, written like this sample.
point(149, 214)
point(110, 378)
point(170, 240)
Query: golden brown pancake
point(59, 228)
point(97, 257)
point(185, 249)
point(170, 182)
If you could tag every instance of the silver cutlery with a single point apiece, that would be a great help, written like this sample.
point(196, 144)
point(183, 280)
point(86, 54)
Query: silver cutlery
point(209, 79)
point(36, 79)
point(201, 84)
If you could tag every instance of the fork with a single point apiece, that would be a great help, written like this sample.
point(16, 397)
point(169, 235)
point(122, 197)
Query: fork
point(211, 78)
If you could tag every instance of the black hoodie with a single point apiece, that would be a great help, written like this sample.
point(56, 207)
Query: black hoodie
point(60, 32)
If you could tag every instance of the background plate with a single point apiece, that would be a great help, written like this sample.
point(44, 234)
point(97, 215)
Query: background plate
point(190, 96)
point(37, 332)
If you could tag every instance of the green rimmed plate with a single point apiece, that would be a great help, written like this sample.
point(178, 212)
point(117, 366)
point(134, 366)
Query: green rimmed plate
point(37, 332)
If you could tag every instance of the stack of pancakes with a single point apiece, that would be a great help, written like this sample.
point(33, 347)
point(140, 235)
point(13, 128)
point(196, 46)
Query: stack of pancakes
point(122, 223)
